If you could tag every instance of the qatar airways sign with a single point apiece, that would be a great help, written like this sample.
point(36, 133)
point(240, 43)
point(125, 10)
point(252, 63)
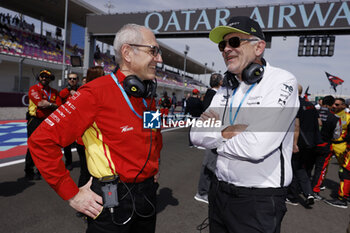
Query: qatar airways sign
point(274, 18)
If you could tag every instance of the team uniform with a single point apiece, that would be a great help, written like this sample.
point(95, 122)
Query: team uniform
point(109, 136)
point(253, 167)
point(341, 149)
point(331, 129)
point(36, 114)
point(165, 104)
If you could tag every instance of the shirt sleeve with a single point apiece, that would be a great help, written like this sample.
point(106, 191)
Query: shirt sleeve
point(60, 129)
point(209, 138)
point(34, 95)
point(267, 125)
point(64, 94)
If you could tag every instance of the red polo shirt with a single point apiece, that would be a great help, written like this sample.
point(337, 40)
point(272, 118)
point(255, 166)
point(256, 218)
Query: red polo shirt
point(38, 93)
point(115, 141)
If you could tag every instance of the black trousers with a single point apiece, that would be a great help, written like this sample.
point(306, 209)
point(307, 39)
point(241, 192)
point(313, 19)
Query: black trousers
point(300, 163)
point(32, 124)
point(239, 210)
point(84, 172)
point(139, 204)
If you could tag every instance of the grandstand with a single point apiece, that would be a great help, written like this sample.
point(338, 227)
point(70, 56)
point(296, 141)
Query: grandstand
point(23, 52)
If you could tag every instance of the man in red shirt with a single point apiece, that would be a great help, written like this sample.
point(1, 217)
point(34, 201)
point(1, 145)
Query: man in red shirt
point(122, 156)
point(65, 94)
point(43, 100)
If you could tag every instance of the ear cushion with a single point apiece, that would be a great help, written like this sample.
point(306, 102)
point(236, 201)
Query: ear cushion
point(252, 73)
point(230, 81)
point(134, 86)
point(151, 88)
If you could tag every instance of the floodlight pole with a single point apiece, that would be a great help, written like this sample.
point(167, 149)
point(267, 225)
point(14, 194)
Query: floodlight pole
point(187, 48)
point(60, 82)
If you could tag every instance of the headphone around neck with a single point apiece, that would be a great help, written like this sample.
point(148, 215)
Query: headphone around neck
point(253, 73)
point(134, 86)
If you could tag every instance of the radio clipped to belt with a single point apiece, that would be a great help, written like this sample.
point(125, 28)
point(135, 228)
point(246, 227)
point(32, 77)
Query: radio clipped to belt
point(110, 191)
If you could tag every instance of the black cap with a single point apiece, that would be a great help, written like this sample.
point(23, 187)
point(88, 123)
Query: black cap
point(242, 24)
point(46, 73)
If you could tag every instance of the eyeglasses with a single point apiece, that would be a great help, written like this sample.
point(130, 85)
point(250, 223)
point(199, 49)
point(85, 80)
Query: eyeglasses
point(72, 78)
point(336, 104)
point(234, 42)
point(153, 49)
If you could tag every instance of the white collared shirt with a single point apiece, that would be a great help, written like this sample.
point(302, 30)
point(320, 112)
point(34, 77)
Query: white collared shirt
point(253, 158)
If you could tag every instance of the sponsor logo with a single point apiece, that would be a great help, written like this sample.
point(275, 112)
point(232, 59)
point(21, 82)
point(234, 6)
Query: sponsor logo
point(126, 128)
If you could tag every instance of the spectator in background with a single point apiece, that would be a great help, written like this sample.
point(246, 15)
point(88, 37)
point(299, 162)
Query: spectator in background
point(165, 104)
point(330, 130)
point(306, 137)
point(341, 149)
point(319, 103)
point(347, 104)
point(215, 83)
point(94, 72)
point(173, 103)
point(43, 100)
point(183, 102)
point(66, 94)
point(194, 105)
point(83, 80)
point(209, 161)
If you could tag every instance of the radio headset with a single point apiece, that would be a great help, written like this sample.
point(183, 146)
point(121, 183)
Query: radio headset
point(133, 86)
point(252, 74)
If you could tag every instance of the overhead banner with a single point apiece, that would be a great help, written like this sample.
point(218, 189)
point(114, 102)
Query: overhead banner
point(272, 18)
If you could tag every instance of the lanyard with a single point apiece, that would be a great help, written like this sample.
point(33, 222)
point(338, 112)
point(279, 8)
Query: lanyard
point(127, 98)
point(48, 95)
point(240, 104)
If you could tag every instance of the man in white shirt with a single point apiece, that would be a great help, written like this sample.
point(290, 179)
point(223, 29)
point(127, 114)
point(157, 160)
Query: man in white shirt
point(257, 108)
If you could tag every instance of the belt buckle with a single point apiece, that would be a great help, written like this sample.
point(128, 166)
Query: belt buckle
point(108, 179)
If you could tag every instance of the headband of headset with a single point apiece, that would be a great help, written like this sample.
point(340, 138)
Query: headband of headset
point(253, 73)
point(134, 86)
point(46, 73)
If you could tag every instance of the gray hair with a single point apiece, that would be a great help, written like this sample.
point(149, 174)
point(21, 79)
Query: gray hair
point(128, 34)
point(257, 39)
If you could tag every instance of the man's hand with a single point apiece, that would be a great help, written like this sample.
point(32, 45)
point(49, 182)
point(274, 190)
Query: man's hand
point(295, 148)
point(44, 104)
point(232, 131)
point(86, 201)
point(72, 92)
point(156, 177)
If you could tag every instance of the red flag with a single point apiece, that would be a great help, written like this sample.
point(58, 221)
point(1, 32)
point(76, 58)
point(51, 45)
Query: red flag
point(334, 81)
point(306, 95)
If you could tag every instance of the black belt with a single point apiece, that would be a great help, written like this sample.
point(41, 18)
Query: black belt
point(236, 190)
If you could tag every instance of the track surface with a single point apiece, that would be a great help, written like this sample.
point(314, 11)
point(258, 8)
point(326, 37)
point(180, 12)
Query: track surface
point(33, 207)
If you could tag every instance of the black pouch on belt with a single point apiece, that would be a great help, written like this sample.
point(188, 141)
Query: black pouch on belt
point(110, 191)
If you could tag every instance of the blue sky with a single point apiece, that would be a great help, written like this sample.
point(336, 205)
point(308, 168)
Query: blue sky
point(308, 70)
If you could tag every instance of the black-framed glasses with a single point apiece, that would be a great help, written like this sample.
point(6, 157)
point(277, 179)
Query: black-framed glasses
point(234, 42)
point(153, 49)
point(72, 78)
